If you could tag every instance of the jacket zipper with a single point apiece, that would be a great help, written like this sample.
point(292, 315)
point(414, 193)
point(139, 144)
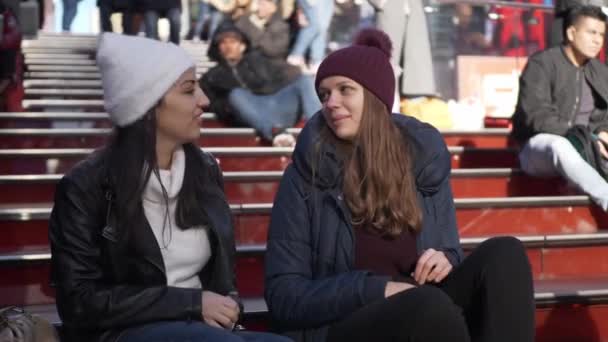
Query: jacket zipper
point(238, 77)
point(577, 98)
point(346, 217)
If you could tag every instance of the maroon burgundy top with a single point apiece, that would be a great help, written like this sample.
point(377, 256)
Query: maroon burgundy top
point(394, 257)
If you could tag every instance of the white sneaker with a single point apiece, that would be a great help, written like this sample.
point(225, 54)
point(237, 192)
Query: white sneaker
point(284, 140)
point(296, 60)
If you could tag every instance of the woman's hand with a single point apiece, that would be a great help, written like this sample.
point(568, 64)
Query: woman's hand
point(219, 311)
point(432, 266)
point(393, 287)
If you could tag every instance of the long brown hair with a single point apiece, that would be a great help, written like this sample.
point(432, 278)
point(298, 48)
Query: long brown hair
point(379, 186)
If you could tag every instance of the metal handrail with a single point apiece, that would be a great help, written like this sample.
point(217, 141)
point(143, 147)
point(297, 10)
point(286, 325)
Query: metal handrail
point(42, 211)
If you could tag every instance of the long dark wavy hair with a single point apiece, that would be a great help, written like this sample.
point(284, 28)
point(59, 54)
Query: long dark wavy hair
point(130, 160)
point(378, 184)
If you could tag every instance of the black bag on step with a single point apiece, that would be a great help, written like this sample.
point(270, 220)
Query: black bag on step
point(16, 325)
point(585, 143)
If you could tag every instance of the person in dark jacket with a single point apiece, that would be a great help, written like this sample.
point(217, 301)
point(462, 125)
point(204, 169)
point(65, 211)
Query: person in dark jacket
point(363, 243)
point(560, 88)
point(156, 9)
point(266, 30)
point(10, 45)
point(248, 89)
point(141, 234)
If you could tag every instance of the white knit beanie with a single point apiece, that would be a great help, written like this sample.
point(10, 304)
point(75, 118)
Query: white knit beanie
point(136, 73)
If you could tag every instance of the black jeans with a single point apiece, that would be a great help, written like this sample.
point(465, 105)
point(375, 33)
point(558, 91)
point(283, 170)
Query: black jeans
point(173, 15)
point(105, 12)
point(489, 298)
point(70, 9)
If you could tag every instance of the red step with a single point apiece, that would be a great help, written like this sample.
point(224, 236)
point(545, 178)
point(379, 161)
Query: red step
point(33, 161)
point(33, 137)
point(558, 323)
point(251, 187)
point(569, 323)
point(54, 119)
point(27, 225)
point(487, 138)
point(26, 282)
point(26, 138)
point(29, 283)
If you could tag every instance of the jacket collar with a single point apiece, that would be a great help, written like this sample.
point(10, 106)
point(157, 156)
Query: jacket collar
point(562, 49)
point(590, 71)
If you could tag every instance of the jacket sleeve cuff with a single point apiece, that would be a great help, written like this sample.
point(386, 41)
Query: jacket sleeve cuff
point(601, 128)
point(195, 311)
point(452, 256)
point(374, 288)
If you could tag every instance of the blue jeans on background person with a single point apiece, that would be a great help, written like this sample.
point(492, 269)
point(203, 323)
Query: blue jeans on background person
point(193, 332)
point(279, 110)
point(550, 155)
point(70, 8)
point(205, 11)
point(313, 37)
point(151, 22)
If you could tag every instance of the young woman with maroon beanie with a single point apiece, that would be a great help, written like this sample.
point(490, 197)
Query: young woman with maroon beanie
point(363, 243)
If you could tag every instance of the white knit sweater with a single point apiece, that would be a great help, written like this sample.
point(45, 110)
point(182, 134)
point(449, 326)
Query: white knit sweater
point(185, 252)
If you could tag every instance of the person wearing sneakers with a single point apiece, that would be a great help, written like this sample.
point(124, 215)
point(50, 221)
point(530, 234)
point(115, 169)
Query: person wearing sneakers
point(561, 88)
point(363, 243)
point(314, 19)
point(248, 89)
point(141, 234)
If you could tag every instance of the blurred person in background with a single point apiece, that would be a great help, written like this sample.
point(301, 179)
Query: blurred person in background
point(266, 30)
point(156, 9)
point(247, 88)
point(405, 23)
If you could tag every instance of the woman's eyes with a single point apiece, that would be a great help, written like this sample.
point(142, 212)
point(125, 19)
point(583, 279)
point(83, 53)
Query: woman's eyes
point(344, 90)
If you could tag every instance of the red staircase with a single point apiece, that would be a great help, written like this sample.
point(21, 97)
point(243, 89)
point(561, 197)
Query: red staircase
point(564, 233)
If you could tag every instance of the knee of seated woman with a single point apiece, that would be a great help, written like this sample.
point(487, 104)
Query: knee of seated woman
point(503, 250)
point(506, 244)
point(436, 308)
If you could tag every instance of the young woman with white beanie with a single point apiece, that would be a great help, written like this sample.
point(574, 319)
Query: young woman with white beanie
point(141, 235)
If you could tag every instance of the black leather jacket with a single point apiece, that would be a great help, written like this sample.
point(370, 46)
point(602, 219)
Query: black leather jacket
point(103, 286)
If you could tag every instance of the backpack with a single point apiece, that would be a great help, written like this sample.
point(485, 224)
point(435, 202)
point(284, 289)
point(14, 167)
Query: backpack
point(585, 143)
point(16, 325)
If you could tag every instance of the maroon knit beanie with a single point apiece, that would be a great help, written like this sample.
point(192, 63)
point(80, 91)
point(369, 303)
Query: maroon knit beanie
point(367, 62)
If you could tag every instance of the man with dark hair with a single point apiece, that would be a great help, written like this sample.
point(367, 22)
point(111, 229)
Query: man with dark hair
point(247, 88)
point(562, 7)
point(560, 88)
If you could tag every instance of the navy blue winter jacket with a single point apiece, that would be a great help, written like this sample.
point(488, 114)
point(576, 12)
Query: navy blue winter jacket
point(310, 278)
